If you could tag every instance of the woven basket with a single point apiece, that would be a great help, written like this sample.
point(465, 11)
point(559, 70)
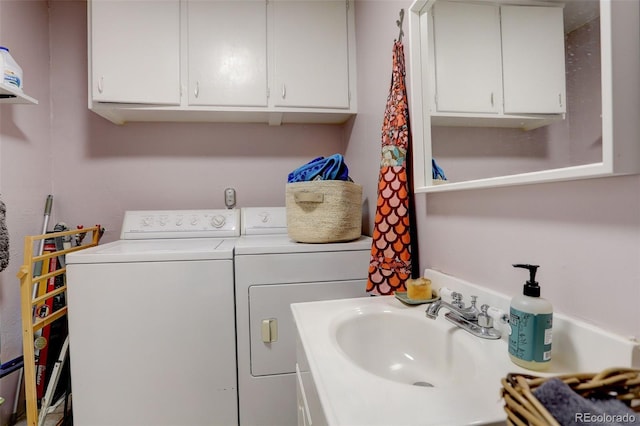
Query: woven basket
point(324, 211)
point(523, 408)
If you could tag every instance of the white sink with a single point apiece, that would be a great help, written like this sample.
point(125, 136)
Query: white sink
point(384, 343)
point(377, 361)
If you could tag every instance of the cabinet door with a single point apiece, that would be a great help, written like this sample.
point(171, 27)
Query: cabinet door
point(310, 54)
point(135, 56)
point(227, 52)
point(271, 303)
point(533, 59)
point(467, 57)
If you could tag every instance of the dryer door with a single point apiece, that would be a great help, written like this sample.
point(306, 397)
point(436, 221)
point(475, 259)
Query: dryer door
point(272, 329)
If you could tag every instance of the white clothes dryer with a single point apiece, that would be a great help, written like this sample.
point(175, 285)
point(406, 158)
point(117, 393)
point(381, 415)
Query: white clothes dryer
point(272, 272)
point(151, 322)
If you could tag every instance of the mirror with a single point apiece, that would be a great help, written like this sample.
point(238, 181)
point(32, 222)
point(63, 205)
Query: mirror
point(567, 148)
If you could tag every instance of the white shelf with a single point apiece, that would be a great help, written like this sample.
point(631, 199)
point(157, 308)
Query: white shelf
point(11, 95)
point(524, 122)
point(123, 113)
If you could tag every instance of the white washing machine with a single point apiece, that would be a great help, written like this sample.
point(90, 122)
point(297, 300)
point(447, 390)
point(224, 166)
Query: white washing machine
point(151, 322)
point(272, 272)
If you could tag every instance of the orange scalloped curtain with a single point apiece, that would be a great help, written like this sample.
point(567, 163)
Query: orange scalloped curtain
point(390, 265)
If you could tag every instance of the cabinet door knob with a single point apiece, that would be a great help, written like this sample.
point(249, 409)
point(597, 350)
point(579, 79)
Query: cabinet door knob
point(560, 99)
point(196, 92)
point(100, 84)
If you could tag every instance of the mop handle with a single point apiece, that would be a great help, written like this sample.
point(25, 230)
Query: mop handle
point(45, 225)
point(38, 266)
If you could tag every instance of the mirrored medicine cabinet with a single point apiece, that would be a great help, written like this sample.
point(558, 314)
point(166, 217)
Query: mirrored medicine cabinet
point(595, 133)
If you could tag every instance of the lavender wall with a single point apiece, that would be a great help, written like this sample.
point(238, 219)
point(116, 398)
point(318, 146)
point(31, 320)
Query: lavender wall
point(586, 234)
point(97, 170)
point(25, 164)
point(103, 169)
point(375, 33)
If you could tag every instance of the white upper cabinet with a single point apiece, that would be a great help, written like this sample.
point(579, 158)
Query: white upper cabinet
point(276, 61)
point(496, 59)
point(135, 51)
point(310, 54)
point(227, 52)
point(467, 57)
point(514, 92)
point(533, 60)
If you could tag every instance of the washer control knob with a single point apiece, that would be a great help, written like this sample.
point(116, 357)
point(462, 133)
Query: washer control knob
point(218, 221)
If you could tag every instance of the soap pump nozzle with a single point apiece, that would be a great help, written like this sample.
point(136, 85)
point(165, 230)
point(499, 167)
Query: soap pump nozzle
point(531, 287)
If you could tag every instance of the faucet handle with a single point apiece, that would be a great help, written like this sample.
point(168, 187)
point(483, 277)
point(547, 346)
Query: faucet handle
point(484, 320)
point(473, 301)
point(457, 300)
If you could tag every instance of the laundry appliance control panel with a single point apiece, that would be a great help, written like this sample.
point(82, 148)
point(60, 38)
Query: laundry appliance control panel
point(264, 220)
point(149, 224)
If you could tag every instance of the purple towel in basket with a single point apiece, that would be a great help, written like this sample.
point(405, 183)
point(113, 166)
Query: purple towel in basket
point(569, 408)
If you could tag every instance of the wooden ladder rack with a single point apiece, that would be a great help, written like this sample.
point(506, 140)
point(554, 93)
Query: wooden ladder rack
point(31, 324)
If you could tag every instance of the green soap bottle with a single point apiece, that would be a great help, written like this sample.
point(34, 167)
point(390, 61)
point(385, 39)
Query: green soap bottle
point(531, 321)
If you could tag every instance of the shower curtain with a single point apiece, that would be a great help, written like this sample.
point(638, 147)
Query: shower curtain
point(394, 242)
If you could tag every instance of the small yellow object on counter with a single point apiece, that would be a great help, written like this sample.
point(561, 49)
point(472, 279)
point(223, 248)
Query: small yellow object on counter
point(419, 289)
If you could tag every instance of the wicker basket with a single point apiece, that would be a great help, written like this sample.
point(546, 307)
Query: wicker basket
point(324, 211)
point(523, 408)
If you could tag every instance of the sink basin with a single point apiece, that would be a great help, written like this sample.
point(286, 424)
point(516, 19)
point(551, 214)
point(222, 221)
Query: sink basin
point(406, 349)
point(377, 361)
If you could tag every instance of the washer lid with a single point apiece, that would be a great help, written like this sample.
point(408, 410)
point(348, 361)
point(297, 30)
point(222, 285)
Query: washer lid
point(271, 244)
point(155, 251)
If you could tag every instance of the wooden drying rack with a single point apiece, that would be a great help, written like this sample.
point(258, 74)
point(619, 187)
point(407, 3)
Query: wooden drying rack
point(32, 324)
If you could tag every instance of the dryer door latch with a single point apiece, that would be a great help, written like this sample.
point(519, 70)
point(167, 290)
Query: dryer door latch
point(270, 330)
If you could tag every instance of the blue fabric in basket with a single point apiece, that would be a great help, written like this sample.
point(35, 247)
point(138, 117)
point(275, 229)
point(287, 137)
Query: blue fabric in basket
point(329, 168)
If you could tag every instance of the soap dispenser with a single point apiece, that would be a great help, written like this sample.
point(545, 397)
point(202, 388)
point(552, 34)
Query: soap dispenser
point(531, 320)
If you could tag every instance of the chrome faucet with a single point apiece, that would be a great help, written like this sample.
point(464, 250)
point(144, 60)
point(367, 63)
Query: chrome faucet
point(478, 323)
point(457, 306)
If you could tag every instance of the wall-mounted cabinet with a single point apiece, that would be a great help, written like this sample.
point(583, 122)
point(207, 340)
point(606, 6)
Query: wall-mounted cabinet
point(229, 60)
point(495, 65)
point(571, 73)
point(135, 56)
point(533, 64)
point(310, 54)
